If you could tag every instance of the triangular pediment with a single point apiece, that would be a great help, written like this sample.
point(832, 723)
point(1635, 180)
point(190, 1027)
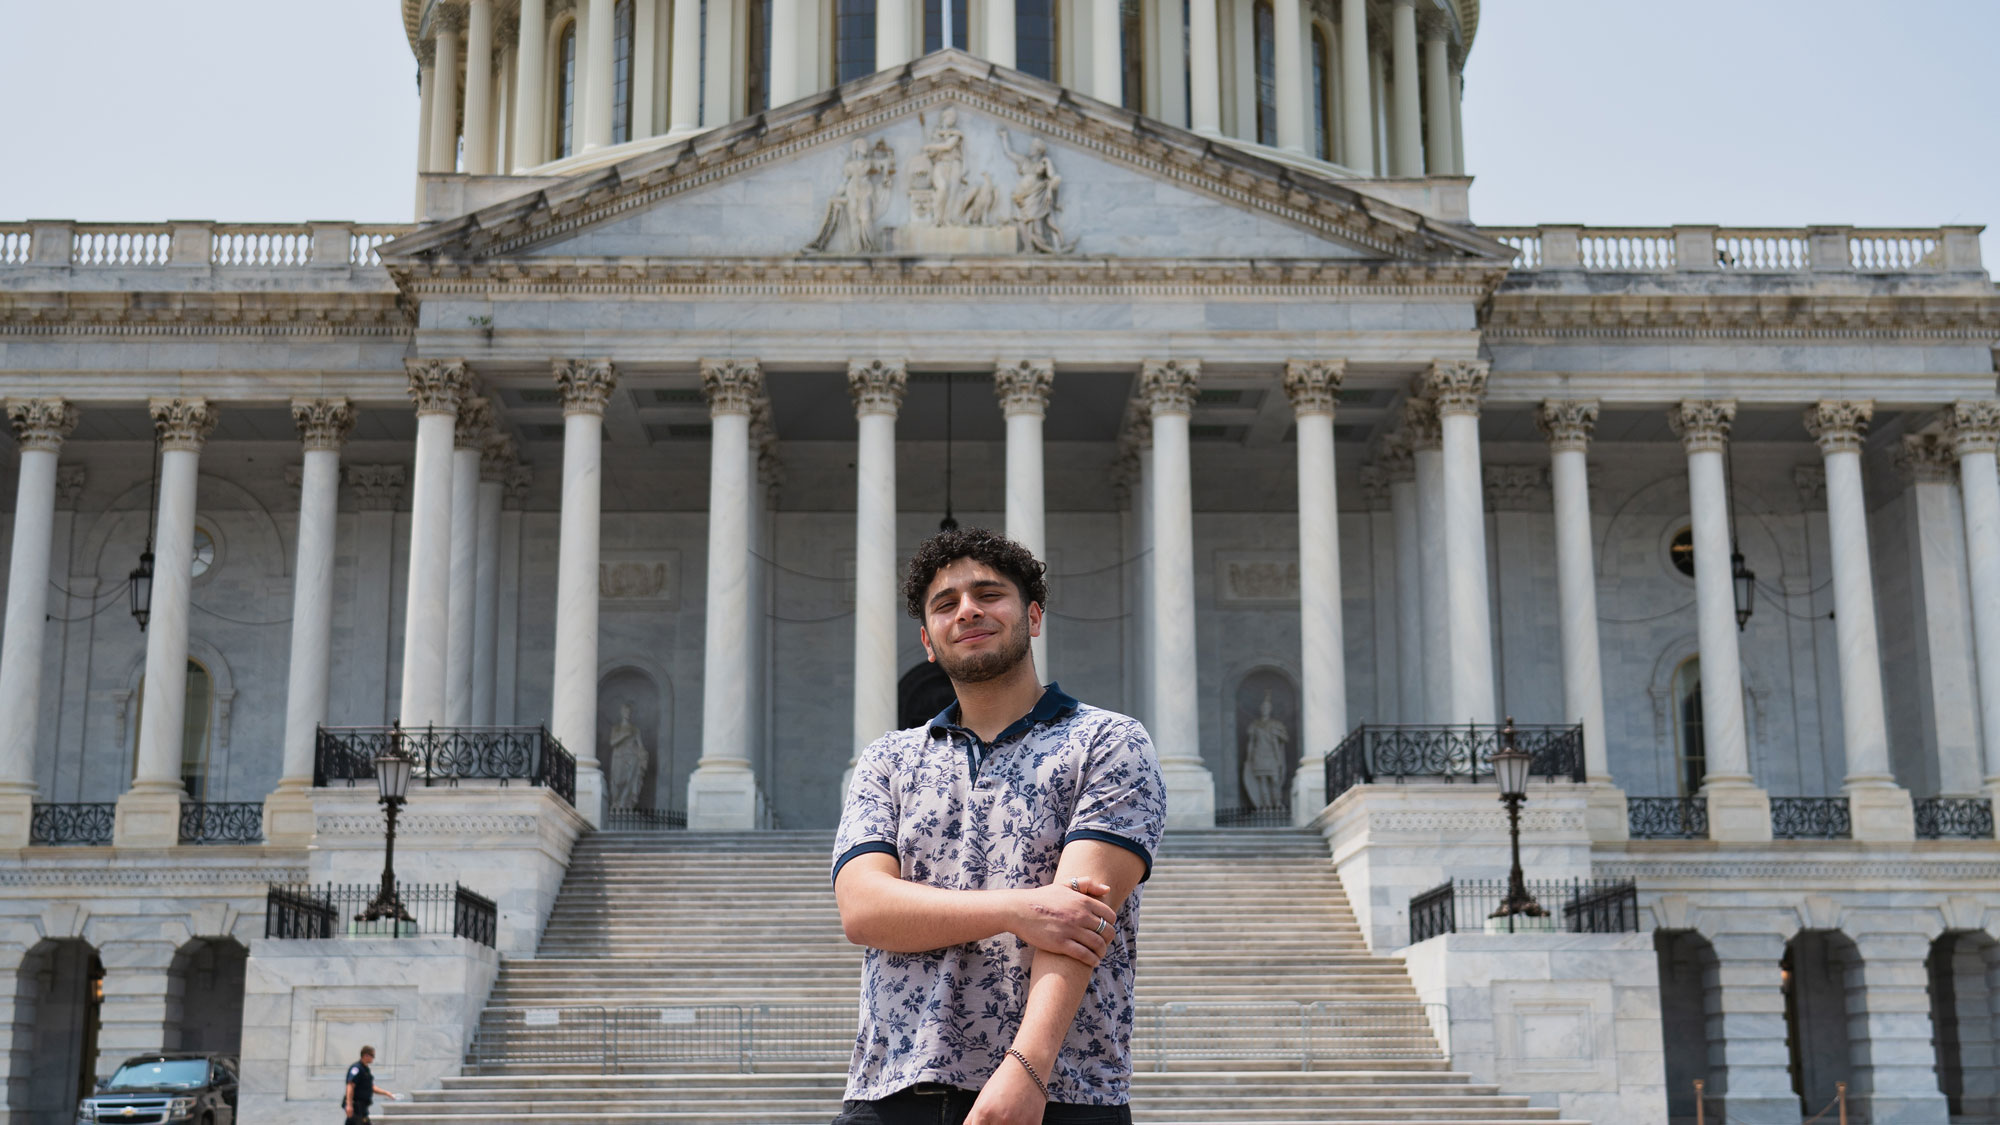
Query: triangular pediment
point(948, 157)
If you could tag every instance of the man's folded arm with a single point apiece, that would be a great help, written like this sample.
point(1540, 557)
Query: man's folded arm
point(882, 910)
point(1056, 983)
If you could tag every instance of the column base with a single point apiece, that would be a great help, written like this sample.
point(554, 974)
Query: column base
point(17, 818)
point(723, 797)
point(1882, 811)
point(1900, 1109)
point(1308, 794)
point(148, 818)
point(288, 815)
point(590, 794)
point(1760, 1109)
point(1739, 813)
point(1190, 794)
point(1604, 812)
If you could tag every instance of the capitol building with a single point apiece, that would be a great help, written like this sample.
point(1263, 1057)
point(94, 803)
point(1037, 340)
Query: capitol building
point(589, 489)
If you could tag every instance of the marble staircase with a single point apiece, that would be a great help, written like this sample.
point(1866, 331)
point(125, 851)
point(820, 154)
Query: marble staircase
point(713, 968)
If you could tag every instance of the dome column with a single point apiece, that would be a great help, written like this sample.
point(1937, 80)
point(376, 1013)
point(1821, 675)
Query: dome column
point(479, 88)
point(1406, 152)
point(1357, 124)
point(1000, 32)
point(684, 94)
point(782, 82)
point(528, 91)
point(1205, 69)
point(1291, 92)
point(1107, 55)
point(892, 33)
point(595, 75)
point(1437, 93)
point(445, 26)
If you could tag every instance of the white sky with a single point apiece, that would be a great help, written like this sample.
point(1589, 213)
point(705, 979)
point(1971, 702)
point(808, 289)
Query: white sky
point(1639, 112)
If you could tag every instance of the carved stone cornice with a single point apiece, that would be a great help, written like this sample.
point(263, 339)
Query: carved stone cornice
point(1926, 458)
point(323, 423)
point(876, 385)
point(437, 386)
point(1526, 317)
point(1456, 385)
point(1423, 431)
point(518, 479)
point(1839, 425)
point(1567, 424)
point(1313, 385)
point(586, 384)
point(1973, 426)
point(1023, 386)
point(1517, 488)
point(129, 312)
point(1702, 424)
point(497, 455)
point(70, 482)
point(1167, 386)
point(733, 386)
point(474, 422)
point(182, 424)
point(377, 488)
point(1810, 480)
point(41, 423)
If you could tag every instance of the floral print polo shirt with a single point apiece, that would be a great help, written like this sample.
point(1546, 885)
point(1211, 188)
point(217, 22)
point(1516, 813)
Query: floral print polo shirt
point(964, 815)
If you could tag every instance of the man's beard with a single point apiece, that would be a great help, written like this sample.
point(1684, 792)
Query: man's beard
point(979, 667)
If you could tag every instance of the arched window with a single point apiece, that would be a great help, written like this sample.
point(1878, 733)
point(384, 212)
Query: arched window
point(1688, 739)
point(200, 701)
point(757, 58)
point(1035, 38)
point(621, 72)
point(566, 92)
point(854, 39)
point(1266, 39)
point(1322, 64)
point(961, 20)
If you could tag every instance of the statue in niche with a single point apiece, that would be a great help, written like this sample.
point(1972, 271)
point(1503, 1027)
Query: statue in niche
point(1264, 759)
point(850, 223)
point(1035, 202)
point(628, 761)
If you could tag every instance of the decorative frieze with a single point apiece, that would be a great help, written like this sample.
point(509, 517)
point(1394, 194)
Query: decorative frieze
point(1023, 386)
point(1567, 424)
point(1456, 385)
point(323, 423)
point(1422, 432)
point(1257, 578)
point(437, 386)
point(877, 385)
point(640, 579)
point(1314, 385)
point(1839, 425)
point(41, 423)
point(1926, 458)
point(182, 424)
point(70, 481)
point(733, 386)
point(475, 422)
point(1517, 488)
point(1702, 424)
point(1973, 426)
point(1167, 386)
point(377, 488)
point(497, 455)
point(586, 384)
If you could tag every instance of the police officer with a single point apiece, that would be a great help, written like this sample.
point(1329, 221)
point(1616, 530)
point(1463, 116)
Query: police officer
point(361, 1089)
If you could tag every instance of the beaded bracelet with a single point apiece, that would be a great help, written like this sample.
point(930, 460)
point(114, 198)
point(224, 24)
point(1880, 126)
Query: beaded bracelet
point(1030, 1068)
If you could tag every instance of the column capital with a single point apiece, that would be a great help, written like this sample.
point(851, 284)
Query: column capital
point(41, 423)
point(732, 385)
point(497, 455)
point(427, 54)
point(877, 385)
point(1167, 386)
point(1422, 430)
point(1926, 458)
point(1973, 426)
point(1433, 24)
point(506, 30)
point(585, 383)
point(323, 423)
point(1517, 488)
point(1395, 460)
point(377, 488)
point(182, 423)
point(475, 421)
point(1839, 425)
point(437, 385)
point(1702, 424)
point(447, 19)
point(1023, 386)
point(1567, 423)
point(1456, 385)
point(519, 477)
point(1314, 385)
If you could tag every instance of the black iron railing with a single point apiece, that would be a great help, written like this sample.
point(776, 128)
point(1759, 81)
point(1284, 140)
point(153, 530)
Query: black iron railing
point(1576, 906)
point(222, 822)
point(329, 910)
point(1667, 818)
point(645, 820)
point(447, 756)
point(1955, 818)
point(1456, 753)
point(72, 823)
point(1810, 818)
point(1253, 818)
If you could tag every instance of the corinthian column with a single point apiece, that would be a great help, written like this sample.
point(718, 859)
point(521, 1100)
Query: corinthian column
point(1429, 569)
point(1437, 91)
point(445, 26)
point(1357, 115)
point(1406, 116)
point(149, 815)
point(469, 433)
point(586, 385)
point(1000, 32)
point(1457, 387)
point(892, 35)
point(1975, 435)
point(496, 460)
point(529, 99)
point(1881, 810)
point(1204, 69)
point(1568, 426)
point(1944, 613)
point(1168, 386)
point(684, 90)
point(1107, 57)
point(1293, 103)
point(1023, 388)
point(40, 425)
point(437, 386)
point(1737, 808)
point(323, 427)
point(722, 793)
point(479, 88)
point(594, 79)
point(877, 387)
point(1314, 387)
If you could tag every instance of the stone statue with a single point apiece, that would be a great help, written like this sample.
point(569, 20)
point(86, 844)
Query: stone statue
point(1035, 202)
point(849, 226)
point(1264, 759)
point(628, 761)
point(943, 167)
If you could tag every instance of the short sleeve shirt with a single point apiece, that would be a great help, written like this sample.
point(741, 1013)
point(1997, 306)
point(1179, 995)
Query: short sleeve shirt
point(963, 815)
point(363, 1082)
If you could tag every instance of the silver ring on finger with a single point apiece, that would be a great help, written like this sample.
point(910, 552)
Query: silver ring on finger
point(1074, 887)
point(1100, 927)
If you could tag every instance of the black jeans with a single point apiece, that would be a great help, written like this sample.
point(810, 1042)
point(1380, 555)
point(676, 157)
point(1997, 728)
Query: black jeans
point(932, 1104)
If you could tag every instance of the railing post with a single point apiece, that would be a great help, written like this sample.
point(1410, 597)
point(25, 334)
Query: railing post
point(1700, 1106)
point(51, 243)
point(332, 245)
point(1829, 249)
point(1694, 249)
point(1840, 1095)
point(1961, 249)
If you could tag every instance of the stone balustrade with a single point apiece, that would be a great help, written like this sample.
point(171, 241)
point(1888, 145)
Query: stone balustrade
point(184, 244)
point(1743, 249)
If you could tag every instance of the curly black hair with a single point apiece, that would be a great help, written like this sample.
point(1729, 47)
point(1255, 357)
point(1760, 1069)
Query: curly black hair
point(1014, 562)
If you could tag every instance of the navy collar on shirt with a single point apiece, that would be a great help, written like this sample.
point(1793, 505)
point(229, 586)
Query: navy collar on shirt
point(1054, 704)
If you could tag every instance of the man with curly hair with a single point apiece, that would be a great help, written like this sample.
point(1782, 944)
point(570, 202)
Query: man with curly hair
point(990, 860)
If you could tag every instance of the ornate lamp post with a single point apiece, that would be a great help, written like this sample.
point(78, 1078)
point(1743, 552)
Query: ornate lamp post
point(1510, 768)
point(141, 577)
point(392, 778)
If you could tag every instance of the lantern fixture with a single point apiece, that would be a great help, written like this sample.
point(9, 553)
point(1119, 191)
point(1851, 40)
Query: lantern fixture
point(1511, 767)
point(392, 779)
point(1743, 581)
point(141, 578)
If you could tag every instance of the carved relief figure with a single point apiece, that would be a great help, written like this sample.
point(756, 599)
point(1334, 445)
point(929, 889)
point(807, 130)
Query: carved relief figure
point(850, 223)
point(941, 168)
point(1035, 202)
point(628, 761)
point(1264, 759)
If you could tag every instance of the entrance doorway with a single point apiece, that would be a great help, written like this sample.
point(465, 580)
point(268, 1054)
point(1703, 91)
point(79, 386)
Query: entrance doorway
point(1819, 968)
point(209, 975)
point(58, 996)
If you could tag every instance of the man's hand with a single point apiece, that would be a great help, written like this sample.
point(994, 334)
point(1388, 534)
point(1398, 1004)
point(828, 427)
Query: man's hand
point(1010, 1097)
point(1065, 921)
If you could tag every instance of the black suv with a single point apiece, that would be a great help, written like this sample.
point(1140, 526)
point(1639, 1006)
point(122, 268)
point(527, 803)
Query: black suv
point(170, 1086)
